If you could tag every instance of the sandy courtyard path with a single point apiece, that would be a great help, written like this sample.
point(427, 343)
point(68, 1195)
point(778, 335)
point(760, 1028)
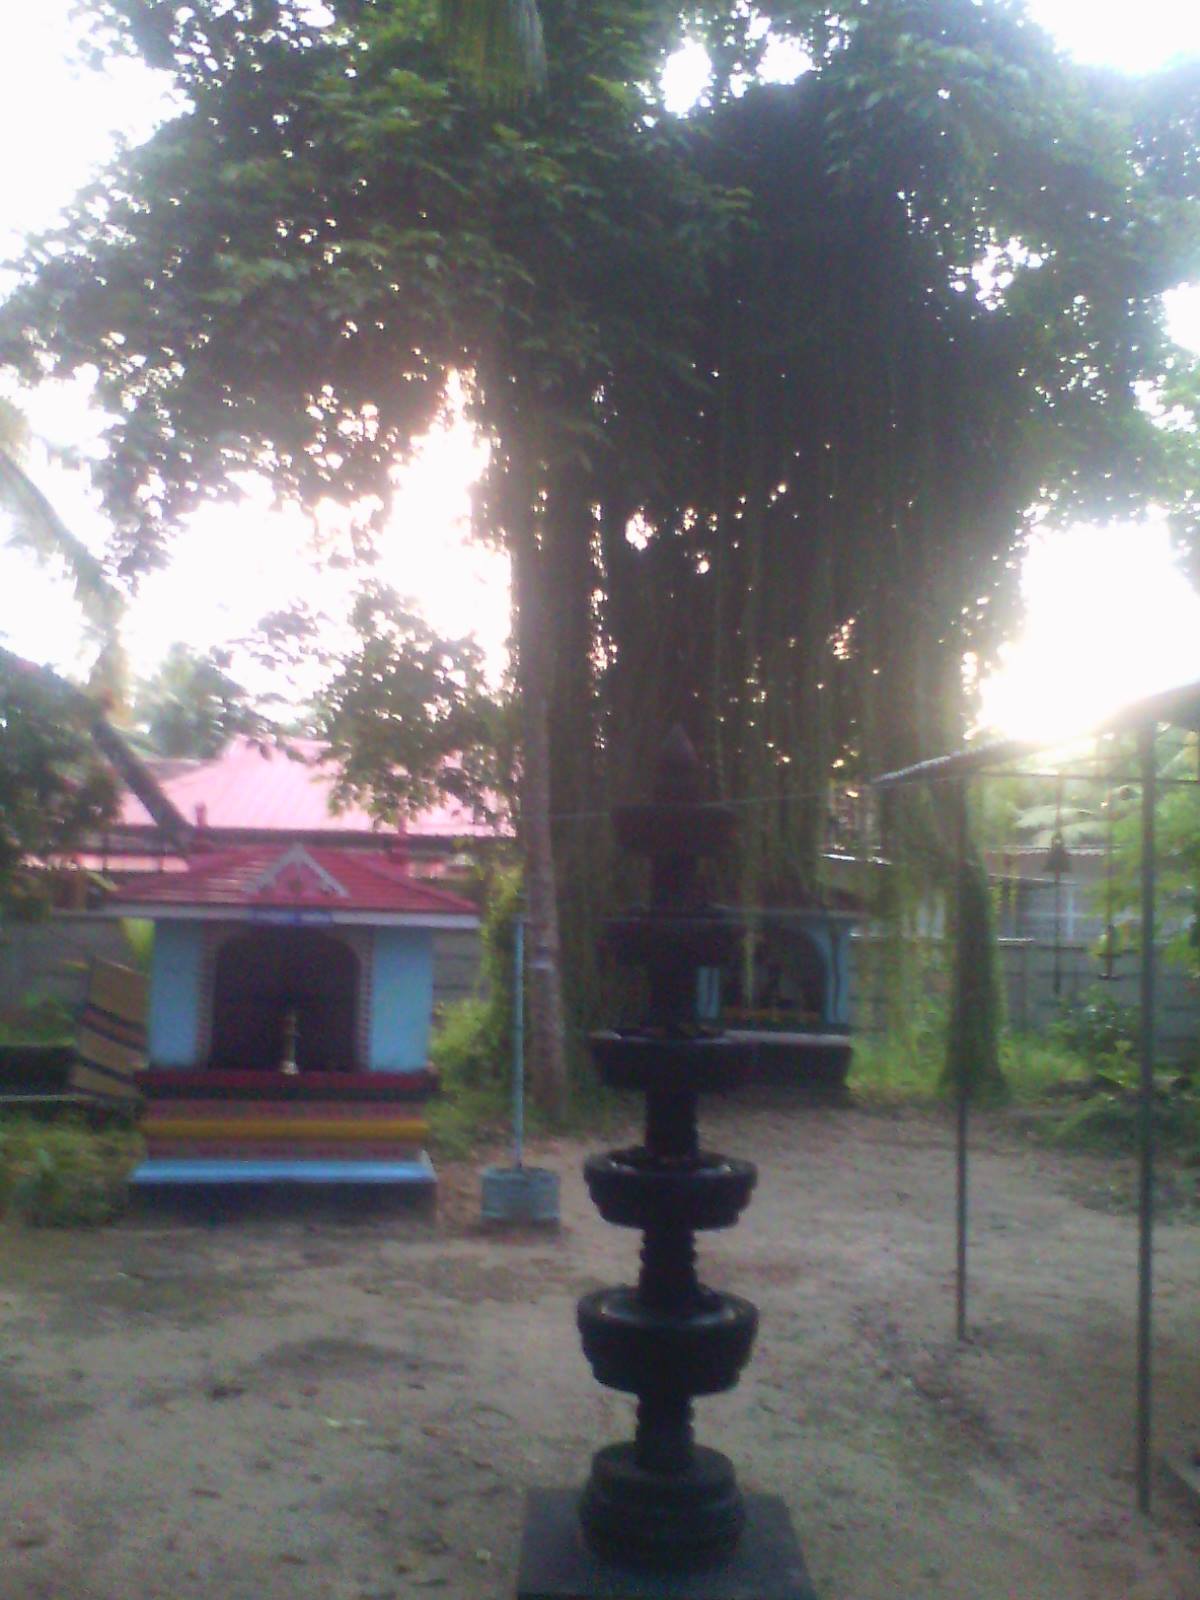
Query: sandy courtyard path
point(276, 1409)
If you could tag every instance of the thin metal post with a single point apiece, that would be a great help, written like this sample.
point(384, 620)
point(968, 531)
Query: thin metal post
point(1057, 854)
point(1146, 750)
point(963, 1088)
point(518, 1092)
point(960, 1284)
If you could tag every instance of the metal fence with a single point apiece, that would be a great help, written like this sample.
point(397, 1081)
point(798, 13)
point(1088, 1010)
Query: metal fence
point(1033, 998)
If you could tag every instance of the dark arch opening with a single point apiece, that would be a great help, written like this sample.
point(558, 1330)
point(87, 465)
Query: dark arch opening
point(805, 975)
point(789, 981)
point(261, 976)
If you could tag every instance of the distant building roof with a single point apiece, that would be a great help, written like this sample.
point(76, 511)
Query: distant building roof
point(262, 787)
point(297, 883)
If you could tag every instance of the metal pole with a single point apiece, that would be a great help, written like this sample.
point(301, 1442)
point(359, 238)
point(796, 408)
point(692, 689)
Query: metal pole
point(960, 1285)
point(1056, 850)
point(518, 1040)
point(1146, 749)
point(960, 1263)
point(1057, 982)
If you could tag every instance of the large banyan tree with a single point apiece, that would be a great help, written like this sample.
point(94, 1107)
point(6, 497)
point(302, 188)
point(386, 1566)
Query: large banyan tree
point(771, 388)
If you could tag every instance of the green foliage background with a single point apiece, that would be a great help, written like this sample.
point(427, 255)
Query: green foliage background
point(54, 789)
point(763, 438)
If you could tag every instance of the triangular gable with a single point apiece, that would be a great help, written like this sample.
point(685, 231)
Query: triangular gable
point(297, 859)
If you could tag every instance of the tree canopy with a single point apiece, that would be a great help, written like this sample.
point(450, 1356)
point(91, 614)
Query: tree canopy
point(190, 706)
point(407, 714)
point(771, 389)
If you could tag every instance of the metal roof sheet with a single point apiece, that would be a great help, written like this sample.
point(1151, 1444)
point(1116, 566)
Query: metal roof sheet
point(287, 789)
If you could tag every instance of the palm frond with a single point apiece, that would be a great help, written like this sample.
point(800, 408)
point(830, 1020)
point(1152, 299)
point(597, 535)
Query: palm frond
point(14, 428)
point(35, 526)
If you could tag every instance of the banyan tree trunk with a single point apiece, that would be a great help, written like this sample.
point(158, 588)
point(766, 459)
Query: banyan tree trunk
point(547, 1053)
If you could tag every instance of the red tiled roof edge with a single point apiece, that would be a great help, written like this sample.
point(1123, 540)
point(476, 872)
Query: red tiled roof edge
point(234, 878)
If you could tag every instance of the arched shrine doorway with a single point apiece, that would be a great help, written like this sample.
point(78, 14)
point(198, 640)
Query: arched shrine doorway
point(791, 980)
point(787, 983)
point(263, 975)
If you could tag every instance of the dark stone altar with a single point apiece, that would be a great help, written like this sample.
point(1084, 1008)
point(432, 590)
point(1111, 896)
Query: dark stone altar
point(661, 1515)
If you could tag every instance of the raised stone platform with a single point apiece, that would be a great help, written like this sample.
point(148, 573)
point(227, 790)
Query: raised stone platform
point(154, 1172)
point(247, 1130)
point(556, 1564)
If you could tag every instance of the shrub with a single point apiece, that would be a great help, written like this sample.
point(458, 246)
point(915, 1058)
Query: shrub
point(1097, 1027)
point(472, 1046)
point(1108, 1121)
point(467, 1048)
point(38, 1019)
point(65, 1175)
point(909, 1067)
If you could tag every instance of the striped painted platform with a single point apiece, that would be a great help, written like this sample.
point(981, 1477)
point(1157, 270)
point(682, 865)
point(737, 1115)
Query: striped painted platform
point(207, 1083)
point(187, 1149)
point(215, 1124)
point(220, 1130)
point(174, 1173)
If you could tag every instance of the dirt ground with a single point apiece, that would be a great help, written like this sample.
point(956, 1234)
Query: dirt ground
point(276, 1409)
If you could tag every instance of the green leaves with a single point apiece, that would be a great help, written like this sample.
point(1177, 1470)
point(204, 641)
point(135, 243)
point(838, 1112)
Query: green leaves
point(191, 706)
point(408, 714)
point(54, 789)
point(756, 333)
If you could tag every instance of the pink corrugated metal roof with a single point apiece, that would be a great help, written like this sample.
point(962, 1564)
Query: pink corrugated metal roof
point(260, 786)
point(294, 876)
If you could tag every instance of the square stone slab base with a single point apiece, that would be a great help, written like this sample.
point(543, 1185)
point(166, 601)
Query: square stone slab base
point(556, 1564)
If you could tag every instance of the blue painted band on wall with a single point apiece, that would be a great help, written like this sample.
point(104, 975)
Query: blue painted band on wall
point(173, 1022)
point(401, 999)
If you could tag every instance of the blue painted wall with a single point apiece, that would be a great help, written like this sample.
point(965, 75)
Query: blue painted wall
point(708, 994)
point(401, 1000)
point(174, 1019)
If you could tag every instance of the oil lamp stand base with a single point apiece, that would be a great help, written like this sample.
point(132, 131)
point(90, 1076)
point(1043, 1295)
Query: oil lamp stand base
point(558, 1564)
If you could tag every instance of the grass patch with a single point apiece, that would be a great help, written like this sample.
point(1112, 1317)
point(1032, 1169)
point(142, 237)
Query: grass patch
point(909, 1071)
point(472, 1056)
point(1107, 1122)
point(1037, 1068)
point(65, 1174)
point(890, 1071)
point(462, 1117)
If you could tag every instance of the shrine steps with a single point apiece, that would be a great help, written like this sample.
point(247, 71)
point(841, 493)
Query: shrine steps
point(215, 1192)
point(256, 1131)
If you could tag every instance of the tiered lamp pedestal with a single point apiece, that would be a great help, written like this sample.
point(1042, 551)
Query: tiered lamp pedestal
point(661, 1515)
